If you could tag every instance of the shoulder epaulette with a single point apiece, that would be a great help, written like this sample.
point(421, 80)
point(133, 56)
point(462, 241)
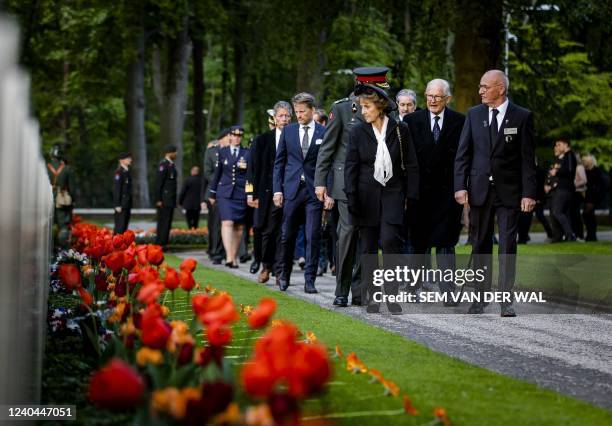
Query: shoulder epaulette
point(341, 100)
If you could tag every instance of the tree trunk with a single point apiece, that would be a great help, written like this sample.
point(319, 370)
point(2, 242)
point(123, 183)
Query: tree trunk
point(238, 112)
point(174, 78)
point(224, 83)
point(477, 47)
point(199, 90)
point(135, 120)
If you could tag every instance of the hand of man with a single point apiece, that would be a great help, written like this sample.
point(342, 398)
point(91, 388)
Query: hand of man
point(461, 197)
point(158, 204)
point(321, 192)
point(118, 209)
point(328, 202)
point(212, 201)
point(527, 204)
point(278, 199)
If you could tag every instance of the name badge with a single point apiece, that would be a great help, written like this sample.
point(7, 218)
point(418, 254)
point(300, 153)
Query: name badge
point(318, 141)
point(510, 131)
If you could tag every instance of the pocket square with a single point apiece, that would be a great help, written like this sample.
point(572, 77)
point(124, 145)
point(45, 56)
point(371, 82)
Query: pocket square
point(318, 141)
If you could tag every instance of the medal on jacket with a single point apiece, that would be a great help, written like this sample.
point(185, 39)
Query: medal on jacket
point(354, 108)
point(225, 162)
point(242, 163)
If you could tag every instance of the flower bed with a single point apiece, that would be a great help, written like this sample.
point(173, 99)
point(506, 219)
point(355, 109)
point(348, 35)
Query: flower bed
point(177, 237)
point(113, 303)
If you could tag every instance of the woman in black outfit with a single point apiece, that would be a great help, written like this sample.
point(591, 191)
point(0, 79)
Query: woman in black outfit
point(380, 176)
point(594, 194)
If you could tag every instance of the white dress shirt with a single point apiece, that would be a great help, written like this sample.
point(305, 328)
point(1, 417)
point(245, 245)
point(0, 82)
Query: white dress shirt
point(278, 134)
point(432, 120)
point(500, 115)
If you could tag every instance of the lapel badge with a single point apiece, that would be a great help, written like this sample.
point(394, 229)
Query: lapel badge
point(485, 123)
point(354, 108)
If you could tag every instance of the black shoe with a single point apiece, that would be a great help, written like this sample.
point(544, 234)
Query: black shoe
point(254, 267)
point(394, 308)
point(229, 264)
point(373, 308)
point(341, 301)
point(507, 311)
point(476, 308)
point(245, 258)
point(217, 261)
point(283, 284)
point(310, 288)
point(356, 301)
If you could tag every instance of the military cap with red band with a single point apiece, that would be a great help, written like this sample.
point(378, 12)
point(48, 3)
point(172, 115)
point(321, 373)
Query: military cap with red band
point(372, 75)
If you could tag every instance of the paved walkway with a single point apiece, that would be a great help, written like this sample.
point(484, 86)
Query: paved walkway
point(569, 353)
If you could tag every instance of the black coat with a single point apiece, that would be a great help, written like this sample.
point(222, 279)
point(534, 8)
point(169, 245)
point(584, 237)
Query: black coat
point(510, 159)
point(369, 201)
point(166, 184)
point(191, 193)
point(438, 215)
point(122, 188)
point(261, 172)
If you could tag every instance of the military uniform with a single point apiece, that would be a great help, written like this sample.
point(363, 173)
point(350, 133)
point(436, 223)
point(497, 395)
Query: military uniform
point(62, 178)
point(229, 182)
point(215, 245)
point(122, 197)
point(165, 192)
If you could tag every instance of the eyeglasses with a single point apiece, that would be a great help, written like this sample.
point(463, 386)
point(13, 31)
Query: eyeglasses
point(484, 87)
point(435, 98)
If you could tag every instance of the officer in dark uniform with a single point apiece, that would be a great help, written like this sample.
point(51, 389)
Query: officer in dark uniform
point(165, 195)
point(345, 113)
point(122, 193)
point(216, 252)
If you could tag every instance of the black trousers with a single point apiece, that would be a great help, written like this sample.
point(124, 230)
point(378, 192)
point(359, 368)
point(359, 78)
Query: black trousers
point(482, 220)
point(271, 254)
point(122, 220)
point(164, 223)
point(215, 244)
point(590, 221)
point(560, 208)
point(575, 217)
point(193, 218)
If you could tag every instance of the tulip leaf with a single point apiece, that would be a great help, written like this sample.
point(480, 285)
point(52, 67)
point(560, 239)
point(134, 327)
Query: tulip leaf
point(185, 376)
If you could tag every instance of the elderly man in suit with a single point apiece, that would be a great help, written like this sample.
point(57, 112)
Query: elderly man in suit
point(344, 115)
point(293, 183)
point(437, 217)
point(268, 218)
point(495, 172)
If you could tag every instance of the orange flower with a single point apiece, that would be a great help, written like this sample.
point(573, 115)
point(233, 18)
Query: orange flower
point(376, 375)
point(173, 401)
point(186, 280)
point(310, 337)
point(188, 265)
point(408, 407)
point(441, 416)
point(354, 364)
point(339, 353)
point(172, 279)
point(391, 387)
point(86, 297)
point(215, 309)
point(146, 356)
point(260, 316)
point(260, 415)
point(155, 254)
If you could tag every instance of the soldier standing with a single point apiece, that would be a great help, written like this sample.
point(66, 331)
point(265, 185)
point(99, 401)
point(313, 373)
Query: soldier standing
point(63, 183)
point(122, 193)
point(165, 195)
point(345, 113)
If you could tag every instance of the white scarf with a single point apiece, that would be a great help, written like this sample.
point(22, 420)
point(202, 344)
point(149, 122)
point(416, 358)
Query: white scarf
point(383, 166)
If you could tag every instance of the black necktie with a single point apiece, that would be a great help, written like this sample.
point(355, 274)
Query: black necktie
point(493, 127)
point(234, 153)
point(436, 129)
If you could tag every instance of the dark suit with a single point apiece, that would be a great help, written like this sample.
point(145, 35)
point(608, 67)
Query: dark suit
point(497, 174)
point(268, 218)
point(165, 191)
point(215, 245)
point(122, 197)
point(189, 198)
point(294, 178)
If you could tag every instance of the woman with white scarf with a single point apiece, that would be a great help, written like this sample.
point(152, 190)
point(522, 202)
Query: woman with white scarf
point(381, 173)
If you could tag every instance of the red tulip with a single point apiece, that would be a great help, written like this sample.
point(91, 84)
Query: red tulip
point(86, 297)
point(218, 334)
point(70, 275)
point(129, 261)
point(116, 386)
point(262, 313)
point(188, 265)
point(155, 330)
point(141, 254)
point(129, 237)
point(118, 242)
point(310, 370)
point(115, 261)
point(186, 280)
point(185, 354)
point(172, 279)
point(149, 293)
point(216, 309)
point(258, 379)
point(100, 281)
point(155, 255)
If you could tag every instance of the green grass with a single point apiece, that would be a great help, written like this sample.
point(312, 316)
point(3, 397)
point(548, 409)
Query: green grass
point(470, 394)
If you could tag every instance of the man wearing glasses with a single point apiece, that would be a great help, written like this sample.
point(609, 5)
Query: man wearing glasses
point(436, 218)
point(495, 173)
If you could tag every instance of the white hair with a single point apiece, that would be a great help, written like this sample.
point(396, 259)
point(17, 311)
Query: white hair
point(442, 83)
point(409, 93)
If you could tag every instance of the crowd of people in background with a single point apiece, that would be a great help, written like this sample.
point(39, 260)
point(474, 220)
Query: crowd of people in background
point(376, 173)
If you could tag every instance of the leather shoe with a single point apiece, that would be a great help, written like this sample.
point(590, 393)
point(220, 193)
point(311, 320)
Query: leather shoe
point(310, 288)
point(254, 267)
point(394, 308)
point(507, 311)
point(217, 261)
point(245, 258)
point(356, 301)
point(283, 284)
point(341, 301)
point(264, 276)
point(373, 308)
point(476, 308)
